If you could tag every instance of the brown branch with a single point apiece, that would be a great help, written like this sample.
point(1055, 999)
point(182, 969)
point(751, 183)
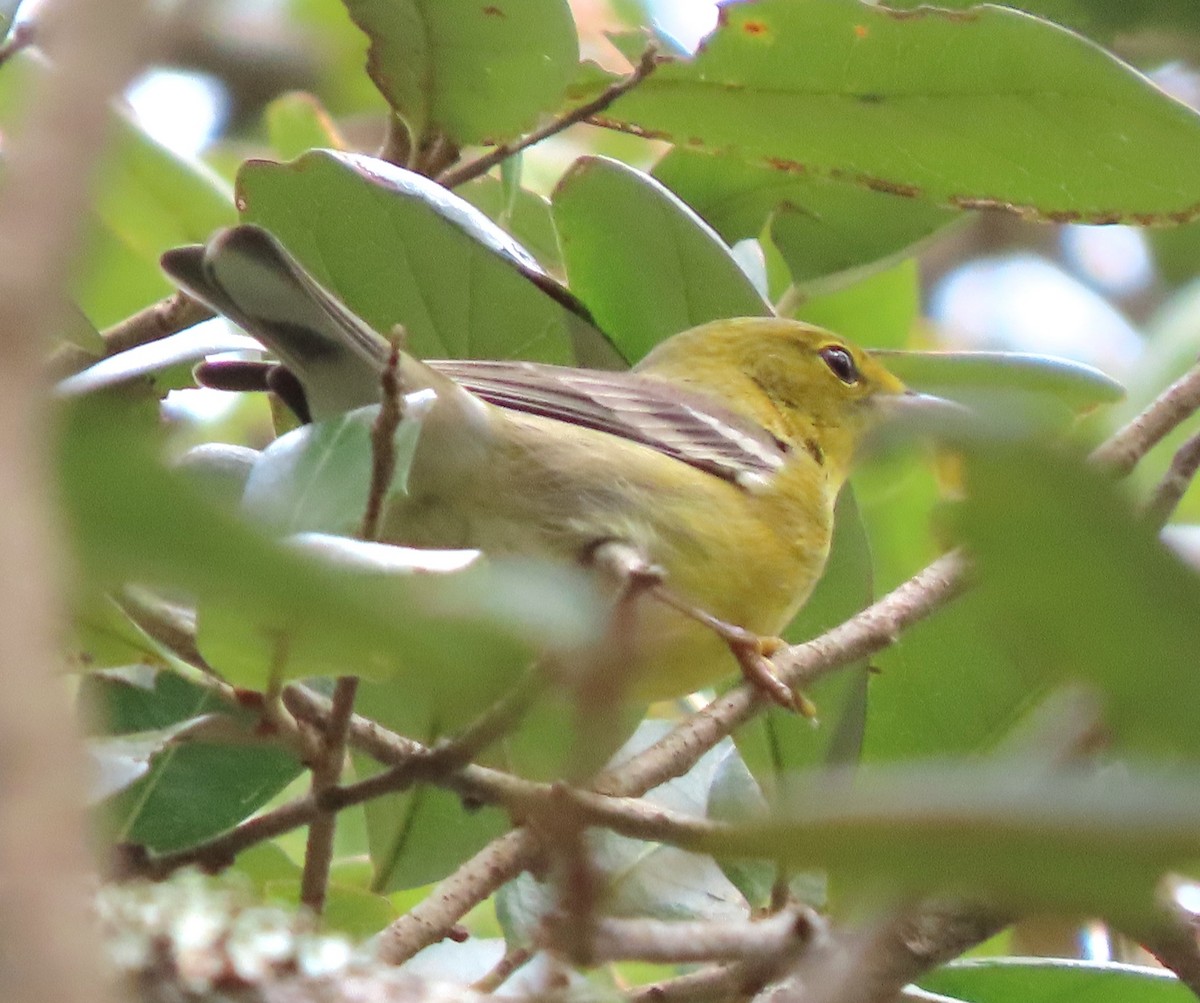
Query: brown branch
point(1122, 450)
point(875, 628)
point(327, 771)
point(513, 960)
point(50, 945)
point(431, 919)
point(776, 941)
point(383, 443)
point(318, 848)
point(1174, 484)
point(477, 168)
point(159, 320)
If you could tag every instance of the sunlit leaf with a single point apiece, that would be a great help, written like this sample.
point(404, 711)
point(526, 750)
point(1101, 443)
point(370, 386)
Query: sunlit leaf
point(987, 107)
point(646, 265)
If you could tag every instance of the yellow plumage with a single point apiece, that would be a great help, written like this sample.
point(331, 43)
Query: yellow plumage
point(717, 460)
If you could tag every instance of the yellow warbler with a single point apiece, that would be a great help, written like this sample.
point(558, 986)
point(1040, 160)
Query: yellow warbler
point(710, 470)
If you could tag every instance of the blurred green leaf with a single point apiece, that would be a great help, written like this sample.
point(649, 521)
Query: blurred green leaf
point(878, 310)
point(131, 519)
point(982, 108)
point(191, 791)
point(1077, 588)
point(1005, 831)
point(646, 265)
point(822, 226)
point(297, 122)
point(474, 72)
point(146, 199)
point(1053, 980)
point(399, 249)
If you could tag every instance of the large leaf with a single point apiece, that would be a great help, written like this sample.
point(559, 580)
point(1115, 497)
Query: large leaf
point(1101, 842)
point(191, 791)
point(981, 108)
point(399, 249)
point(474, 72)
point(646, 265)
point(360, 607)
point(1076, 384)
point(830, 226)
point(1077, 588)
point(1052, 980)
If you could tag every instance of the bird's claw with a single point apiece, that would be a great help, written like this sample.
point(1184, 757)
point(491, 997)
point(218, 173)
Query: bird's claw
point(753, 653)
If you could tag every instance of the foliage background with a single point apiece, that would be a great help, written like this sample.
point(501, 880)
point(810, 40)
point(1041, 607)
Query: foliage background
point(916, 182)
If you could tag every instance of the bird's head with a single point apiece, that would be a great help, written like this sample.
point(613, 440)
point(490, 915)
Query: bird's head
point(808, 386)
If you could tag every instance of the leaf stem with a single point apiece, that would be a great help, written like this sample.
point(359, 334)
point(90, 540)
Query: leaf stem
point(476, 168)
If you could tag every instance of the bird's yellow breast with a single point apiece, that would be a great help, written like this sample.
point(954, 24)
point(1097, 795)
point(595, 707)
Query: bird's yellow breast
point(554, 490)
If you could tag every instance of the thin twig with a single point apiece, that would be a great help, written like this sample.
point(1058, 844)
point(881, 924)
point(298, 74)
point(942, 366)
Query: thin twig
point(383, 443)
point(1172, 941)
point(1174, 484)
point(327, 771)
point(504, 969)
point(477, 168)
point(1120, 453)
point(776, 940)
point(168, 316)
point(318, 849)
point(430, 920)
point(707, 985)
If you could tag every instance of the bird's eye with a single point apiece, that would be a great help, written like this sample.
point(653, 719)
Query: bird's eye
point(841, 364)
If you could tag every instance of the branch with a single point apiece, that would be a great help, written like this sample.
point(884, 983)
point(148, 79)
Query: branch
point(318, 849)
point(875, 628)
point(775, 941)
point(168, 316)
point(1174, 484)
point(479, 167)
point(1122, 451)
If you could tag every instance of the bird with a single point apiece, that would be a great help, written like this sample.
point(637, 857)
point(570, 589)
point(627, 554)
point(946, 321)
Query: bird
point(698, 488)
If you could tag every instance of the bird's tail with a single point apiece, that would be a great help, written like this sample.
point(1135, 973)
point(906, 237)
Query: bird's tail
point(245, 273)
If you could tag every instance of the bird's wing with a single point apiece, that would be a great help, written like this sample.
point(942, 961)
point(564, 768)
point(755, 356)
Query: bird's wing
point(680, 423)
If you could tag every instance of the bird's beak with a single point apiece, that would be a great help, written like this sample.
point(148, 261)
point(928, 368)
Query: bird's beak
point(912, 410)
point(915, 404)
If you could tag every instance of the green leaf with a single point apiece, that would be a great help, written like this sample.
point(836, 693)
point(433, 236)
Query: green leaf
point(1101, 842)
point(823, 226)
point(1103, 19)
point(1077, 588)
point(399, 249)
point(527, 217)
point(357, 603)
point(1077, 385)
point(474, 72)
point(1053, 980)
point(981, 108)
point(146, 199)
point(169, 361)
point(191, 791)
point(878, 310)
point(646, 265)
point(297, 122)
